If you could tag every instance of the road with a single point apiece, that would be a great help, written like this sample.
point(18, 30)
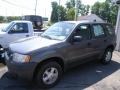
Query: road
point(89, 76)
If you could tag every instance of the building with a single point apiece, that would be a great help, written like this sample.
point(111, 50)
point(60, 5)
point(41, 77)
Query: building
point(91, 17)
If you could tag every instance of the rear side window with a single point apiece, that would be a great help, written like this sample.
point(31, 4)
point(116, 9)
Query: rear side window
point(98, 31)
point(110, 29)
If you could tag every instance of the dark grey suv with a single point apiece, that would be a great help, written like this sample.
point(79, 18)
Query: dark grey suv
point(64, 45)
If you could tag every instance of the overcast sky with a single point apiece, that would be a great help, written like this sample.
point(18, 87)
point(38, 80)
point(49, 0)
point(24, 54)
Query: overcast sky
point(26, 7)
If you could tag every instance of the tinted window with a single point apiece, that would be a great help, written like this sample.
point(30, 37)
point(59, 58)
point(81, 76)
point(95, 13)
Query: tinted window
point(83, 31)
point(20, 28)
point(98, 31)
point(110, 29)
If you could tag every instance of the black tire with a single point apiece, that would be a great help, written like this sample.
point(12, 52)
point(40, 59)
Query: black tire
point(41, 73)
point(2, 60)
point(104, 60)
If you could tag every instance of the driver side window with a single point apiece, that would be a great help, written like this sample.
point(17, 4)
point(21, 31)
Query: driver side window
point(83, 31)
point(19, 28)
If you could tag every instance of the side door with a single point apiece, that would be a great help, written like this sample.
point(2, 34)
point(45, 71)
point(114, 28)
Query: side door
point(79, 49)
point(98, 40)
point(18, 31)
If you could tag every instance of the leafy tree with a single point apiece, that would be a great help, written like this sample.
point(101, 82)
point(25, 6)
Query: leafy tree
point(62, 13)
point(58, 13)
point(106, 11)
point(54, 15)
point(1, 19)
point(96, 8)
point(70, 4)
point(12, 18)
point(71, 14)
point(84, 9)
point(81, 9)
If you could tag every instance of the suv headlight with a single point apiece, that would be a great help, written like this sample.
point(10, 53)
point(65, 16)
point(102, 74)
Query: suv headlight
point(21, 58)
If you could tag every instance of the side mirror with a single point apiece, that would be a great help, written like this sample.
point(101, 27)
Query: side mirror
point(77, 38)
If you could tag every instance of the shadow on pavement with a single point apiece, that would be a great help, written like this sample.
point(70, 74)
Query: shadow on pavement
point(80, 77)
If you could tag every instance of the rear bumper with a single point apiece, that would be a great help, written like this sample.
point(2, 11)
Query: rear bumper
point(21, 70)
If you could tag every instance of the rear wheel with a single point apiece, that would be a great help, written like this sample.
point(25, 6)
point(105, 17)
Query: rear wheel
point(49, 74)
point(107, 56)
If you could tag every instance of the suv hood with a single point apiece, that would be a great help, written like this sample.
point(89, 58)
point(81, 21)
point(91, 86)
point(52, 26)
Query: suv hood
point(28, 45)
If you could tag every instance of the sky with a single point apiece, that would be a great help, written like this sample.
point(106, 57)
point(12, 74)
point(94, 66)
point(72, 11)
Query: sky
point(27, 7)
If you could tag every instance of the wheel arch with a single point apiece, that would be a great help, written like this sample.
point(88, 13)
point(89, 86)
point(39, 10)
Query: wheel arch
point(55, 59)
point(111, 47)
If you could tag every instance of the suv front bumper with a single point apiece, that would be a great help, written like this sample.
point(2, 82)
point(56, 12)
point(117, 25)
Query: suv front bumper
point(22, 70)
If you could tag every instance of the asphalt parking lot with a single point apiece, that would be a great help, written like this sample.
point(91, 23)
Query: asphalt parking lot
point(89, 76)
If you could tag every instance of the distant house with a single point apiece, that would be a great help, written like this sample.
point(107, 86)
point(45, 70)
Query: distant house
point(91, 17)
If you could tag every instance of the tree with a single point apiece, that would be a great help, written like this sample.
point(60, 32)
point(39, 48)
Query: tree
point(71, 14)
point(84, 9)
point(81, 9)
point(96, 8)
point(1, 19)
point(58, 13)
point(70, 4)
point(54, 15)
point(62, 13)
point(12, 18)
point(106, 11)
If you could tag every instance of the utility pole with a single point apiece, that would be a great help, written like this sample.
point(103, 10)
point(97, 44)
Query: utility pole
point(35, 6)
point(118, 31)
point(118, 27)
point(76, 9)
point(6, 14)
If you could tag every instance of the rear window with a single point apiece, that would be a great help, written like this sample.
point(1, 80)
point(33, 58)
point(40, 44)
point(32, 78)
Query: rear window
point(98, 31)
point(110, 29)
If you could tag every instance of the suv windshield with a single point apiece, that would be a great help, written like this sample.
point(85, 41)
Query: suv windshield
point(59, 31)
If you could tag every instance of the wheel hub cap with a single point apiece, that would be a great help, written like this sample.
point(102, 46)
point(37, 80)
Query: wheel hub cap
point(108, 56)
point(50, 75)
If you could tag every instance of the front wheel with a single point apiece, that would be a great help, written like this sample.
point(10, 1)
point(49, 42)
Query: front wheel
point(49, 75)
point(107, 56)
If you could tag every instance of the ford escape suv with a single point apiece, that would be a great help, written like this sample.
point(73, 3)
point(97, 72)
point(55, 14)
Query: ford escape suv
point(64, 45)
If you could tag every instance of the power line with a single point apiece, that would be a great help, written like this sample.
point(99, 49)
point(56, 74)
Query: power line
point(16, 5)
